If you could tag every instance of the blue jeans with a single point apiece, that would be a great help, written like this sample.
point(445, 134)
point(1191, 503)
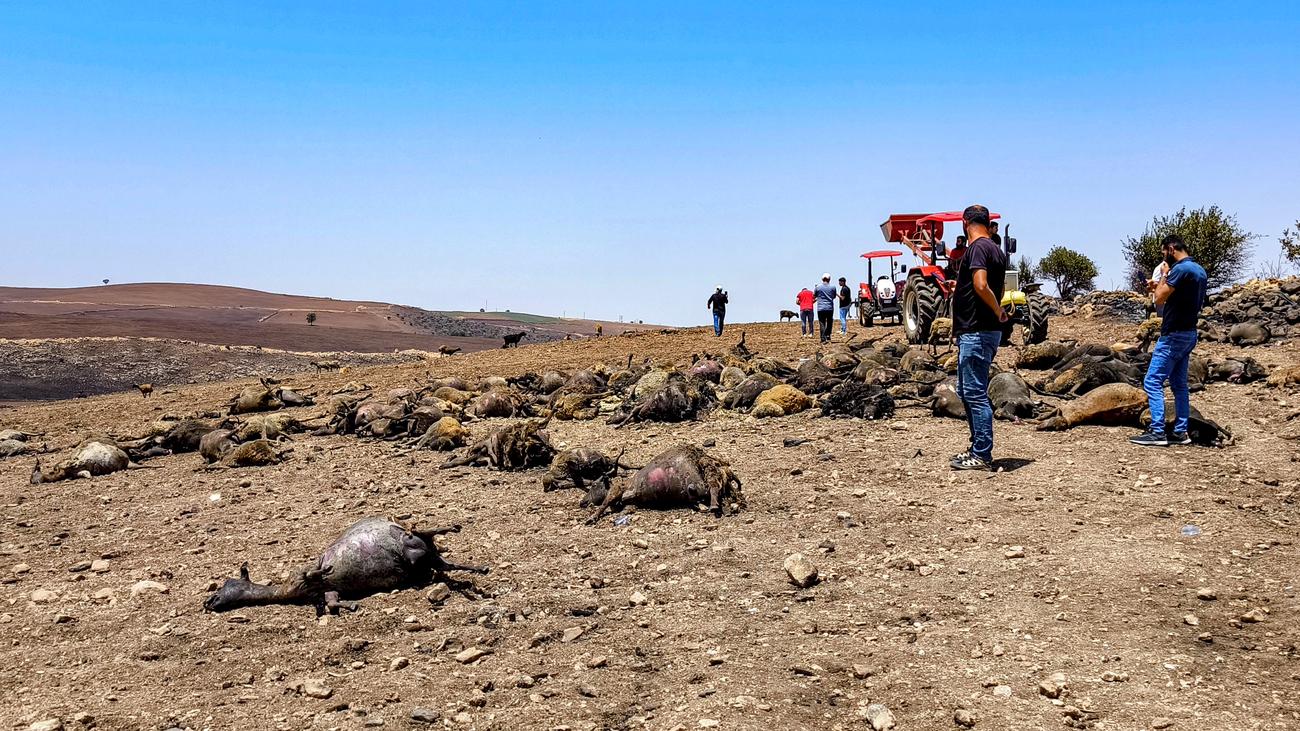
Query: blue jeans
point(844, 320)
point(718, 317)
point(806, 322)
point(1169, 361)
point(975, 353)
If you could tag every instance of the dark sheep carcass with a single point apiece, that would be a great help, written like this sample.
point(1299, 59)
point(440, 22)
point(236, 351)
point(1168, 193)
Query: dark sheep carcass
point(373, 555)
point(678, 399)
point(518, 446)
point(859, 400)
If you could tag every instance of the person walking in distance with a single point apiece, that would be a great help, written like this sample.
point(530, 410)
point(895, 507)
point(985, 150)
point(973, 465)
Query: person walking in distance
point(1182, 294)
point(805, 300)
point(826, 296)
point(718, 302)
point(977, 318)
point(846, 300)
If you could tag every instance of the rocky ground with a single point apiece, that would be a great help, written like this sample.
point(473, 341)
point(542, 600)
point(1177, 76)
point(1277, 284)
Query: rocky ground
point(1088, 584)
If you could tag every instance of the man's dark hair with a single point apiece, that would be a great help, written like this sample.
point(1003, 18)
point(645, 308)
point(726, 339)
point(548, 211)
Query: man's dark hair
point(1175, 242)
point(842, 279)
point(976, 214)
point(961, 240)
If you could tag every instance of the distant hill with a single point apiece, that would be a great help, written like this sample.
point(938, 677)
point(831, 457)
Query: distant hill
point(223, 315)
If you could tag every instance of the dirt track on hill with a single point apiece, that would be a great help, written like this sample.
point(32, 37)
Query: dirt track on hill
point(939, 590)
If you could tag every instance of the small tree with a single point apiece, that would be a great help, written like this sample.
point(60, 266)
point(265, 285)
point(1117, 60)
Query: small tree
point(1214, 239)
point(1026, 267)
point(1290, 241)
point(1069, 270)
point(311, 318)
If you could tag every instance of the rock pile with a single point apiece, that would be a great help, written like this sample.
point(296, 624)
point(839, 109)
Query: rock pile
point(1126, 306)
point(1274, 303)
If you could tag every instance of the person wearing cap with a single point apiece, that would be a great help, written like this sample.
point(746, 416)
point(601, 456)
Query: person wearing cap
point(826, 295)
point(718, 303)
point(846, 301)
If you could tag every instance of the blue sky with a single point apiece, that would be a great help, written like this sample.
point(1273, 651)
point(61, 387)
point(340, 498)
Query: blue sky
point(617, 159)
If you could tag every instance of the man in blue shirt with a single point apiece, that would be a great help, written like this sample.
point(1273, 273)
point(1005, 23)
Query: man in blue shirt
point(1182, 293)
point(826, 296)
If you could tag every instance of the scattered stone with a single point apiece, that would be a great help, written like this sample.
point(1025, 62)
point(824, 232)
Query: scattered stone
point(425, 715)
point(524, 680)
point(471, 654)
point(1253, 616)
point(99, 566)
point(1162, 722)
point(313, 688)
point(641, 543)
point(275, 673)
point(571, 634)
point(22, 568)
point(438, 593)
point(708, 723)
point(1015, 552)
point(463, 717)
point(1111, 676)
point(44, 596)
point(83, 718)
point(140, 587)
point(587, 691)
point(79, 566)
point(801, 571)
point(880, 717)
point(964, 717)
point(1050, 689)
point(862, 672)
point(637, 599)
point(397, 663)
point(1002, 691)
point(1190, 620)
point(105, 595)
point(49, 724)
point(598, 661)
point(1206, 594)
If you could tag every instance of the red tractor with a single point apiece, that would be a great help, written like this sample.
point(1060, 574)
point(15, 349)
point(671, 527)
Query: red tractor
point(878, 297)
point(927, 289)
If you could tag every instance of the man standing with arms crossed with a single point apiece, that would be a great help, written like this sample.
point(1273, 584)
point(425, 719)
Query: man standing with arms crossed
point(1181, 293)
point(977, 319)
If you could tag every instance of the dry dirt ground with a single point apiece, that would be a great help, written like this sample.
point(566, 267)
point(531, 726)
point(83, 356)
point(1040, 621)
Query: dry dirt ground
point(938, 591)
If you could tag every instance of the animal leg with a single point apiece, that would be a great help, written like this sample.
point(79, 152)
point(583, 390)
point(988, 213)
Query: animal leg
point(333, 604)
point(442, 565)
point(613, 495)
point(715, 495)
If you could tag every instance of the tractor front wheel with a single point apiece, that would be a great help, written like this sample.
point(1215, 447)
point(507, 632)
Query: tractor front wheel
point(920, 308)
point(1036, 322)
point(866, 313)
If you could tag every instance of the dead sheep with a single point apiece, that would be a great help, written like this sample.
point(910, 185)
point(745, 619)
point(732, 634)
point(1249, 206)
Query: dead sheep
point(443, 435)
point(946, 402)
point(1236, 370)
point(1201, 430)
point(274, 427)
point(708, 369)
point(858, 400)
point(519, 446)
point(679, 399)
point(499, 402)
point(257, 453)
point(1284, 376)
point(1010, 397)
point(682, 476)
point(263, 397)
point(373, 555)
point(216, 444)
point(780, 400)
point(1114, 404)
point(94, 457)
point(747, 391)
point(1249, 333)
point(1042, 355)
point(578, 468)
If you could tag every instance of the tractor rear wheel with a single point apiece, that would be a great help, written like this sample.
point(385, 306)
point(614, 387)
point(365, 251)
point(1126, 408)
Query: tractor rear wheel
point(1036, 321)
point(920, 308)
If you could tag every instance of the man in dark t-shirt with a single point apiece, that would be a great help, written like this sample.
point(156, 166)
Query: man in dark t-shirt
point(1182, 293)
point(977, 319)
point(718, 303)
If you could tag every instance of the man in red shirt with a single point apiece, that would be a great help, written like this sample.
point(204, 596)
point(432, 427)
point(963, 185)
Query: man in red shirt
point(805, 301)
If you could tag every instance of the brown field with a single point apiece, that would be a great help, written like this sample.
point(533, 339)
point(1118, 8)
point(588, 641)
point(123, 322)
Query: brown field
point(923, 604)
